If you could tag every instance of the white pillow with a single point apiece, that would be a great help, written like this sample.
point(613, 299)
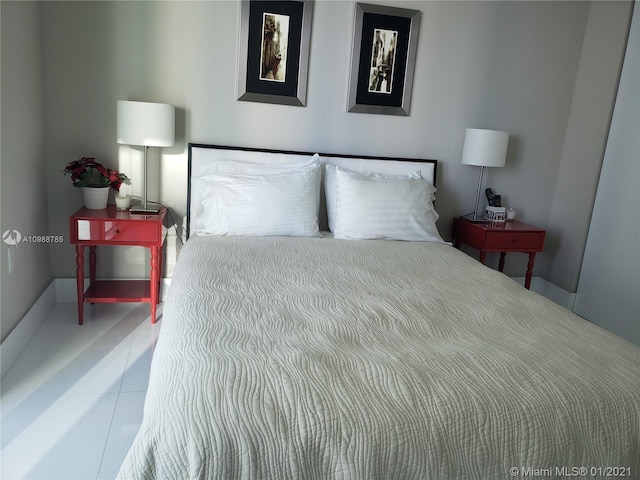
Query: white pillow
point(330, 187)
point(203, 187)
point(375, 207)
point(238, 167)
point(284, 204)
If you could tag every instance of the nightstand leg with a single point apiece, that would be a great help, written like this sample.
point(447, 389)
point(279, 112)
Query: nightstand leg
point(154, 282)
point(159, 271)
point(80, 281)
point(527, 280)
point(501, 264)
point(92, 264)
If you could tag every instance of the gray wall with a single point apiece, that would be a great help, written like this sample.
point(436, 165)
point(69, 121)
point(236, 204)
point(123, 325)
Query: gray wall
point(514, 66)
point(610, 278)
point(585, 139)
point(23, 192)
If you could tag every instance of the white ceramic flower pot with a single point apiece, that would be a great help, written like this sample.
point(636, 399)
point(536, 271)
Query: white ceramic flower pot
point(95, 198)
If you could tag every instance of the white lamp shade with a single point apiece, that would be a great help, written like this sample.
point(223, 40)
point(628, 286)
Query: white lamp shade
point(144, 123)
point(485, 148)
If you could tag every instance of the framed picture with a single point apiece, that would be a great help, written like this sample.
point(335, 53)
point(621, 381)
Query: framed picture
point(383, 59)
point(274, 51)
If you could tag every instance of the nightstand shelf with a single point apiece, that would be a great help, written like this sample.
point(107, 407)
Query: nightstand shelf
point(116, 291)
point(113, 227)
point(503, 237)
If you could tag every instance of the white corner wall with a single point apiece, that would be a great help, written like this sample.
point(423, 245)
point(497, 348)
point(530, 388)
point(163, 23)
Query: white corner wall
point(23, 192)
point(585, 138)
point(609, 288)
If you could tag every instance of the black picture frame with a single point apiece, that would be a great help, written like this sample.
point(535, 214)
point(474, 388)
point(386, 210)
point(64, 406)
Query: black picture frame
point(383, 59)
point(273, 56)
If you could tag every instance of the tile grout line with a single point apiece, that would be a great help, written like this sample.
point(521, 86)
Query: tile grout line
point(106, 440)
point(115, 407)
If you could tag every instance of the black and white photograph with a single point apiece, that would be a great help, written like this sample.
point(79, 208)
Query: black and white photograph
point(273, 54)
point(382, 60)
point(275, 37)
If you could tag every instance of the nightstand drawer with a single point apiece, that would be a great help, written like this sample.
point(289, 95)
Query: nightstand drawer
point(503, 237)
point(118, 231)
point(514, 240)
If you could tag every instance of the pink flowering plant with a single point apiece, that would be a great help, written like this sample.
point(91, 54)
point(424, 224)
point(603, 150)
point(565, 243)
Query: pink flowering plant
point(86, 172)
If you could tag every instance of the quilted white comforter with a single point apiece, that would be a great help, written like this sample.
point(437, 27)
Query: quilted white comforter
point(326, 359)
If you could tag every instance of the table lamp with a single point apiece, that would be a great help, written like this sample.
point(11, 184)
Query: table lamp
point(484, 148)
point(149, 125)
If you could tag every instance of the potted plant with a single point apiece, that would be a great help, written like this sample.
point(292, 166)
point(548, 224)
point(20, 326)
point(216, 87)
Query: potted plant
point(95, 180)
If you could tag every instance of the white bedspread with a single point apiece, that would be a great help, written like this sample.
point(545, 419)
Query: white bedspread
point(329, 359)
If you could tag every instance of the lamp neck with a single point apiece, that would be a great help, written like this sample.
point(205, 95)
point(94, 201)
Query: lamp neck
point(475, 210)
point(144, 175)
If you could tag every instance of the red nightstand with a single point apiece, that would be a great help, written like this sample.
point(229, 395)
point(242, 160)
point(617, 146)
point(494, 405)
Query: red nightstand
point(501, 237)
point(114, 227)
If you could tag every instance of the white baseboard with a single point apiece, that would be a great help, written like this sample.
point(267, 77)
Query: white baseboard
point(60, 290)
point(22, 333)
point(554, 293)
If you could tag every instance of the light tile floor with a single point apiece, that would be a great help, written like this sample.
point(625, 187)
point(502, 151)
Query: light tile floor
point(72, 402)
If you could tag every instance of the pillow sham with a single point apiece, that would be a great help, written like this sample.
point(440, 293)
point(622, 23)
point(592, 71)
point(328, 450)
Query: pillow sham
point(383, 207)
point(284, 204)
point(240, 167)
point(203, 185)
point(330, 186)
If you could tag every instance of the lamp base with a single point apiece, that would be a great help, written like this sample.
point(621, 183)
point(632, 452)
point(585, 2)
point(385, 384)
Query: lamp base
point(475, 218)
point(144, 211)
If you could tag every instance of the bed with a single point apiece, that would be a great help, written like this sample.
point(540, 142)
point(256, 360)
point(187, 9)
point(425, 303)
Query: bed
point(291, 352)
